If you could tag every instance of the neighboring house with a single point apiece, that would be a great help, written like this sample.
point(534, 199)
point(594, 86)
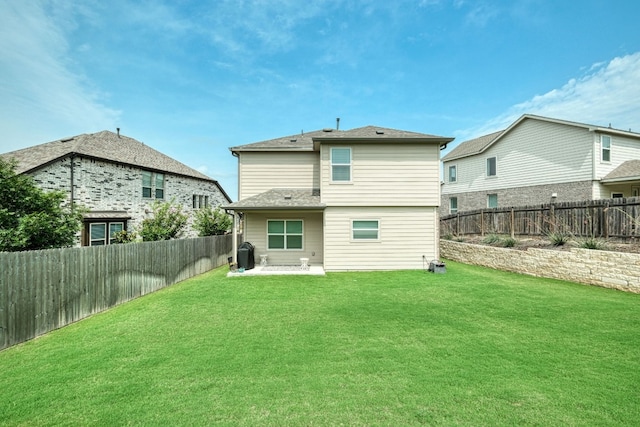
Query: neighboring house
point(117, 178)
point(363, 199)
point(540, 160)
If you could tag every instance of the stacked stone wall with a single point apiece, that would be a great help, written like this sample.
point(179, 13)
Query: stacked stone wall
point(615, 270)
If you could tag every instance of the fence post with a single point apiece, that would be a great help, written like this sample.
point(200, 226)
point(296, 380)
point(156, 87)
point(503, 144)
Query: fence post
point(605, 221)
point(552, 218)
point(482, 222)
point(513, 225)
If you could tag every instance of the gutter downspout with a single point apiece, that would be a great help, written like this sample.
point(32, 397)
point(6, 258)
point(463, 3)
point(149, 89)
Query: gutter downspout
point(72, 192)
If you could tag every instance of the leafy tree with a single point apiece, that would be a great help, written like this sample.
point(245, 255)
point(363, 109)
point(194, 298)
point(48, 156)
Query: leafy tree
point(168, 222)
point(210, 222)
point(31, 218)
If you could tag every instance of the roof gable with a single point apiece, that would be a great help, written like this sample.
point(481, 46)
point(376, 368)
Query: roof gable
point(309, 141)
point(103, 145)
point(482, 143)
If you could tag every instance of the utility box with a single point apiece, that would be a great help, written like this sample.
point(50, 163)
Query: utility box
point(436, 266)
point(246, 258)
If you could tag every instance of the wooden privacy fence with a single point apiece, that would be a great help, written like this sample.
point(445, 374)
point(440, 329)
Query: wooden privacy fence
point(610, 218)
point(45, 290)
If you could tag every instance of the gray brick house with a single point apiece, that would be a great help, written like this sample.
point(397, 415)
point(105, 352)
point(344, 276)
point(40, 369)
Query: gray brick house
point(118, 179)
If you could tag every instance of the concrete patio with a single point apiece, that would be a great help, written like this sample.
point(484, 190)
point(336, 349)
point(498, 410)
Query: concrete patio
point(277, 270)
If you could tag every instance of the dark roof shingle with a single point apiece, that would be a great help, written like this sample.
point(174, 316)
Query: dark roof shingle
point(281, 198)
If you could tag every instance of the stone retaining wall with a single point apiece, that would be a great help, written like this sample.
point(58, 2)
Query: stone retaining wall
point(616, 270)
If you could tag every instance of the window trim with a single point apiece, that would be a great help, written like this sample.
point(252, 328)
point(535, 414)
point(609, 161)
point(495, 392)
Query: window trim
point(155, 192)
point(285, 234)
point(606, 150)
point(365, 239)
point(489, 200)
point(108, 238)
point(455, 173)
point(495, 167)
point(349, 165)
point(453, 210)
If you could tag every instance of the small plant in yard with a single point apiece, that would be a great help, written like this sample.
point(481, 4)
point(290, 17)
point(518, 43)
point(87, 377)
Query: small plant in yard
point(125, 236)
point(168, 222)
point(508, 242)
point(592, 243)
point(210, 222)
point(491, 239)
point(558, 238)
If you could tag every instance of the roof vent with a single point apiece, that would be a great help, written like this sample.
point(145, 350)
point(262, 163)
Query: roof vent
point(287, 196)
point(293, 140)
point(327, 130)
point(380, 132)
point(67, 140)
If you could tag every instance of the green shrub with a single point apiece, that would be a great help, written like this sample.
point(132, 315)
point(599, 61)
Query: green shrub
point(592, 243)
point(558, 238)
point(168, 222)
point(491, 239)
point(210, 222)
point(508, 242)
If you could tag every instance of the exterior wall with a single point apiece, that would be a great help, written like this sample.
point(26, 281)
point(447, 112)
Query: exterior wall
point(407, 234)
point(385, 175)
point(255, 232)
point(262, 171)
point(104, 186)
point(614, 270)
point(622, 149)
point(536, 154)
point(524, 196)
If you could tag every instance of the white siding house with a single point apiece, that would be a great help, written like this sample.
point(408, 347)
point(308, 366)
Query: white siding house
point(538, 160)
point(363, 199)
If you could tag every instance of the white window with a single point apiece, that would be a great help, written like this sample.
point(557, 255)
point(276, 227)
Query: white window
point(453, 173)
point(152, 185)
point(285, 234)
point(103, 233)
point(492, 200)
point(340, 164)
point(491, 166)
point(365, 229)
point(453, 205)
point(605, 142)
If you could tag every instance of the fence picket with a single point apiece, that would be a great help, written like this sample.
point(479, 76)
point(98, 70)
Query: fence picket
point(45, 290)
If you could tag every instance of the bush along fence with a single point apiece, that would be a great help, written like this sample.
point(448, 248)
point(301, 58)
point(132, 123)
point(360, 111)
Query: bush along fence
point(44, 290)
point(609, 218)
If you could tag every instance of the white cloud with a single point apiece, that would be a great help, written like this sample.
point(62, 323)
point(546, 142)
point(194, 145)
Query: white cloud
point(40, 89)
point(609, 92)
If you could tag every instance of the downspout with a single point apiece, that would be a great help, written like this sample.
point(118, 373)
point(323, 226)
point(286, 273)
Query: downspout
point(72, 192)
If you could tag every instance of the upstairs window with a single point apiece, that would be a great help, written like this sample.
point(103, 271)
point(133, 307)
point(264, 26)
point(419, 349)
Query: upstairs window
point(284, 234)
point(152, 185)
point(453, 173)
point(605, 142)
point(340, 164)
point(491, 166)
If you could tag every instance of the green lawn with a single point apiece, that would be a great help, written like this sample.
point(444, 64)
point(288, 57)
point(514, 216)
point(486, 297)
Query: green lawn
point(469, 347)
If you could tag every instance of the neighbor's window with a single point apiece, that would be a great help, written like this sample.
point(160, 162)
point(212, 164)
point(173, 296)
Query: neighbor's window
point(492, 200)
point(152, 185)
point(491, 166)
point(102, 233)
point(617, 195)
point(605, 141)
point(365, 229)
point(453, 205)
point(453, 173)
point(284, 234)
point(340, 164)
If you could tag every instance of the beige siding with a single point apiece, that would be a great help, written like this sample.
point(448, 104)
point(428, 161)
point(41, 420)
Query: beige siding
point(262, 171)
point(255, 232)
point(385, 175)
point(622, 149)
point(534, 153)
point(406, 235)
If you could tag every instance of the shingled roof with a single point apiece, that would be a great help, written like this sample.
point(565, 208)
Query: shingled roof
point(305, 141)
point(281, 198)
point(472, 146)
point(103, 145)
point(627, 171)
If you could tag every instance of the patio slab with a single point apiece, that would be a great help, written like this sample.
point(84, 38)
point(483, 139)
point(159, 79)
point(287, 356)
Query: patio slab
point(279, 270)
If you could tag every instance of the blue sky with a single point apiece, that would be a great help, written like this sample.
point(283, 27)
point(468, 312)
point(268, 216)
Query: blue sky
point(192, 78)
